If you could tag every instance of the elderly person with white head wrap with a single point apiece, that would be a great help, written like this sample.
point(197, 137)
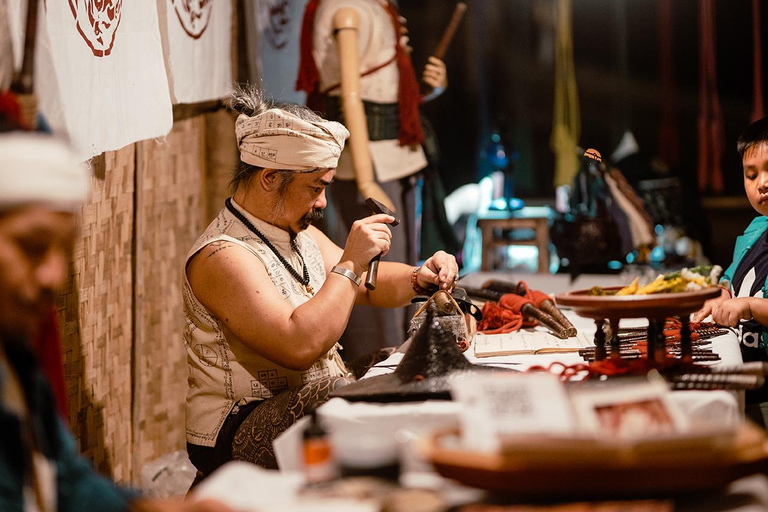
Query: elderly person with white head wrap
point(42, 187)
point(267, 294)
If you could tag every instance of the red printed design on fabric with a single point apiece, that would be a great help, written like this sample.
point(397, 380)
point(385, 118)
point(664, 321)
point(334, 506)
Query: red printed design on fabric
point(97, 22)
point(193, 15)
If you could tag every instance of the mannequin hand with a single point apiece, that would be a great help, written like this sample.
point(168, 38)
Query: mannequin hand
point(439, 270)
point(435, 75)
point(404, 40)
point(372, 189)
point(367, 238)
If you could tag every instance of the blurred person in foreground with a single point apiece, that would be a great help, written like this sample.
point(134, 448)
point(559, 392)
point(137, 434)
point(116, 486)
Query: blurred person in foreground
point(267, 295)
point(42, 186)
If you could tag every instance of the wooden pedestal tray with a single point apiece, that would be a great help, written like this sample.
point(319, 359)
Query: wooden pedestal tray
point(656, 308)
point(569, 468)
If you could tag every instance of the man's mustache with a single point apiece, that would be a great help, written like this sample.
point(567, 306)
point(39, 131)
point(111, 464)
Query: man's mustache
point(311, 217)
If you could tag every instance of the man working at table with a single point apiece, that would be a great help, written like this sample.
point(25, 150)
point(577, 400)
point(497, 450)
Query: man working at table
point(743, 301)
point(267, 295)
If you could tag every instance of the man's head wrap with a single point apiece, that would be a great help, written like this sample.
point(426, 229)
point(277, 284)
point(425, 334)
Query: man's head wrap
point(39, 169)
point(277, 139)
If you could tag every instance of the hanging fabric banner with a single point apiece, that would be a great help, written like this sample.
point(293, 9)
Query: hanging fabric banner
point(566, 126)
point(711, 131)
point(277, 24)
point(10, 41)
point(108, 62)
point(199, 50)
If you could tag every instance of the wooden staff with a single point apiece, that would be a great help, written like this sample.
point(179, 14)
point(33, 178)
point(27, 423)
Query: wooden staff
point(23, 81)
point(450, 30)
point(483, 294)
point(546, 319)
point(498, 285)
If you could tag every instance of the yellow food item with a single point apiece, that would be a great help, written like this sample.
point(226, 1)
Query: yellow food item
point(684, 280)
point(662, 285)
point(630, 289)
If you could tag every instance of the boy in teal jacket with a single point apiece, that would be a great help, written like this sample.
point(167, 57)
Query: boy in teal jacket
point(743, 303)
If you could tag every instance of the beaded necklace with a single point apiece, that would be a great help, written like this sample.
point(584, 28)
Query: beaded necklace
point(304, 278)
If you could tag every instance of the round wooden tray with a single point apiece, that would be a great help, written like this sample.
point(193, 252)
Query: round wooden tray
point(656, 306)
point(579, 468)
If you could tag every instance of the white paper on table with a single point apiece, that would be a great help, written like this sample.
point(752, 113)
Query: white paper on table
point(510, 404)
point(528, 341)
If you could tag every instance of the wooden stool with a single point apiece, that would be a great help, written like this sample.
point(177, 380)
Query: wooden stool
point(534, 218)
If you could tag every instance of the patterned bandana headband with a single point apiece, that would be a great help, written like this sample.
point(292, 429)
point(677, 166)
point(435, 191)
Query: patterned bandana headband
point(39, 169)
point(276, 139)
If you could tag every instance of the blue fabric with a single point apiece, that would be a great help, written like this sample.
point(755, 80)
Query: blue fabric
point(79, 487)
point(744, 243)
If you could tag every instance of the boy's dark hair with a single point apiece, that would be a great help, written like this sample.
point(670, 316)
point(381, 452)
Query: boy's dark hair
point(754, 135)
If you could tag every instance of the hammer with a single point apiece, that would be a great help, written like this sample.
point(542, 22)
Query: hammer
point(373, 267)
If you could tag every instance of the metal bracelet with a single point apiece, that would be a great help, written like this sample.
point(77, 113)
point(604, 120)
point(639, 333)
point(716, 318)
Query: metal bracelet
point(348, 274)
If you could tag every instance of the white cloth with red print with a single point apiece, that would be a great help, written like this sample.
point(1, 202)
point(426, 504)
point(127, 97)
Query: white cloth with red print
point(199, 49)
point(99, 73)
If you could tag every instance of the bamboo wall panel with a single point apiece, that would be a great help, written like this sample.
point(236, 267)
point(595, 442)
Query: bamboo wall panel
point(95, 313)
point(222, 155)
point(169, 219)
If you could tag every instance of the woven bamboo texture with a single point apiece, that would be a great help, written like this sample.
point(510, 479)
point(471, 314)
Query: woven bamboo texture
point(222, 156)
point(121, 310)
point(169, 220)
point(96, 319)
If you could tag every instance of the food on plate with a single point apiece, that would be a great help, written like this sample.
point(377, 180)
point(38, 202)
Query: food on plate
point(684, 280)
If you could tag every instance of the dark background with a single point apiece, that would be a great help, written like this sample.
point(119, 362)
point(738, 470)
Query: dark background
point(497, 79)
point(501, 77)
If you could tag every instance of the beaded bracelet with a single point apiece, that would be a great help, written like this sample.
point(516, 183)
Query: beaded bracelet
point(415, 284)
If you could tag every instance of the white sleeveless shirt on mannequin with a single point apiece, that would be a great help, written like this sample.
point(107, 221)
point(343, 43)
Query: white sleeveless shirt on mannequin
point(376, 45)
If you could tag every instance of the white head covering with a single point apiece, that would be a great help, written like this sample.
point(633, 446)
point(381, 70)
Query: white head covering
point(38, 168)
point(277, 139)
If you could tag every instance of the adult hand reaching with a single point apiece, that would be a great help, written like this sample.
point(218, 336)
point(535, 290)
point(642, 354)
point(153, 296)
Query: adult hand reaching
point(439, 270)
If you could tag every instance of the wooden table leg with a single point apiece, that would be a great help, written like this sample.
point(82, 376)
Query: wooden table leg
point(660, 342)
point(615, 343)
point(487, 253)
point(651, 340)
point(599, 340)
point(686, 347)
point(542, 242)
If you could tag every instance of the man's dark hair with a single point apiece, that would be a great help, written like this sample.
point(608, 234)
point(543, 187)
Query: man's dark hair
point(249, 100)
point(754, 135)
